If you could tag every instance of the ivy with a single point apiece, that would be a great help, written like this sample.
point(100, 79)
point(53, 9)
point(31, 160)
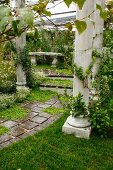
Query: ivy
point(80, 3)
point(80, 26)
point(84, 75)
point(24, 59)
point(103, 13)
point(79, 72)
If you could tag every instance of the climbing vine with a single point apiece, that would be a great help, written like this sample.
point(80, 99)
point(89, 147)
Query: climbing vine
point(78, 71)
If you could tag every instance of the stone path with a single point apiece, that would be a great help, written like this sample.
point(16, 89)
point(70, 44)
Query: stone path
point(34, 122)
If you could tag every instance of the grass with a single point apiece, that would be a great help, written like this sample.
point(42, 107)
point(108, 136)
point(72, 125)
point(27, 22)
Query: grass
point(18, 112)
point(57, 70)
point(13, 113)
point(58, 82)
point(52, 150)
point(41, 96)
point(3, 130)
point(53, 110)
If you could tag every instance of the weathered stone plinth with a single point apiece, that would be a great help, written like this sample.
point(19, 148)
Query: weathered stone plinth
point(33, 60)
point(80, 129)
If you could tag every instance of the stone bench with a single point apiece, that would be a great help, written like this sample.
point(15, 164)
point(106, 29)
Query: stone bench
point(53, 54)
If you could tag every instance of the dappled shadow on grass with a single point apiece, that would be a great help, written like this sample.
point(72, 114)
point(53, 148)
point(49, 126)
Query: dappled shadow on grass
point(108, 134)
point(51, 149)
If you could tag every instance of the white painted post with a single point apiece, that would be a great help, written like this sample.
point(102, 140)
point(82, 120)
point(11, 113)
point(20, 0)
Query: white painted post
point(83, 49)
point(80, 127)
point(20, 43)
point(98, 33)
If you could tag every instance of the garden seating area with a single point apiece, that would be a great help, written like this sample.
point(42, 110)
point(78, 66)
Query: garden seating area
point(44, 54)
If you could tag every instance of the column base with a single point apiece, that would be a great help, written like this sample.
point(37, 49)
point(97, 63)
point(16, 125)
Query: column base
point(21, 87)
point(79, 132)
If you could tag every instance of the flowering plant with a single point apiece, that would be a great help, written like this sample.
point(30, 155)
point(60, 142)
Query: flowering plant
point(7, 76)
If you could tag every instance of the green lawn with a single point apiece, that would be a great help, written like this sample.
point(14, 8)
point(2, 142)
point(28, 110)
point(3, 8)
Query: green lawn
point(41, 96)
point(18, 112)
point(13, 113)
point(53, 110)
point(3, 130)
point(52, 150)
point(67, 72)
point(58, 82)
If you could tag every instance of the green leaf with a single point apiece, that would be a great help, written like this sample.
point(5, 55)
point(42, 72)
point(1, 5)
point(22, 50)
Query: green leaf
point(69, 26)
point(3, 23)
point(15, 27)
point(103, 13)
point(80, 26)
point(80, 3)
point(68, 2)
point(35, 8)
point(4, 11)
point(47, 13)
point(28, 16)
point(98, 7)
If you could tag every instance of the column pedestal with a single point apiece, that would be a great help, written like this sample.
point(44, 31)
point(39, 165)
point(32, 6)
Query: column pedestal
point(79, 132)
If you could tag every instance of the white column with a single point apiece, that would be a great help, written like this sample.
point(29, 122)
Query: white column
point(80, 126)
point(20, 43)
point(21, 76)
point(98, 33)
point(83, 49)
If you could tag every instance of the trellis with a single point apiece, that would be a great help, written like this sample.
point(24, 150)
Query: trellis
point(84, 44)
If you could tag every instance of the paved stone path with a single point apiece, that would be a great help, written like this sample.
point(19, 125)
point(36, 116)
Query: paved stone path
point(34, 122)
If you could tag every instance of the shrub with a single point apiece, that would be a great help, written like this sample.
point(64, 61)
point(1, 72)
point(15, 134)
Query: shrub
point(6, 101)
point(7, 77)
point(101, 110)
point(21, 95)
point(52, 41)
point(36, 79)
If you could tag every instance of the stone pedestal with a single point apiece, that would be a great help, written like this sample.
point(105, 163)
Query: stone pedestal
point(54, 62)
point(33, 60)
point(80, 128)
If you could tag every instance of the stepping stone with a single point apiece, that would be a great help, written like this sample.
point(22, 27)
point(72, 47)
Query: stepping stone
point(51, 120)
point(5, 144)
point(17, 131)
point(37, 109)
point(31, 132)
point(2, 120)
point(32, 114)
point(51, 101)
point(29, 125)
point(31, 105)
point(38, 128)
point(44, 106)
point(58, 105)
point(9, 123)
point(39, 119)
point(16, 139)
point(44, 114)
point(5, 138)
point(23, 120)
point(25, 135)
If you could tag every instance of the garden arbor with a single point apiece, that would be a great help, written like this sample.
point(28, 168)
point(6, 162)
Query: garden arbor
point(84, 44)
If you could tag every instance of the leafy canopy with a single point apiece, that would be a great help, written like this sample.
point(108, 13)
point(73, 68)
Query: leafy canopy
point(14, 21)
